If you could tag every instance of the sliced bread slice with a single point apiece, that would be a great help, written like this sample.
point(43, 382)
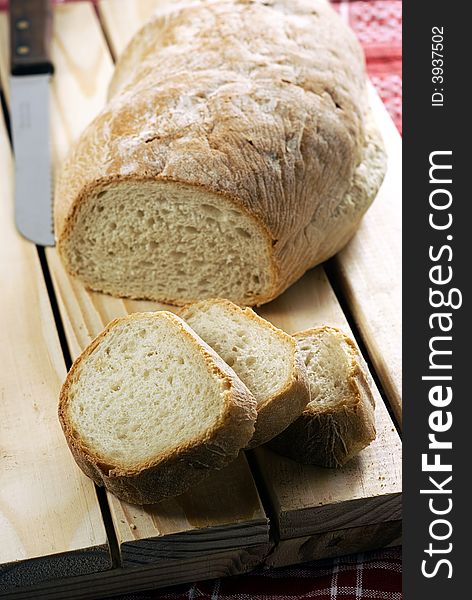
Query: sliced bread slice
point(264, 357)
point(339, 421)
point(149, 409)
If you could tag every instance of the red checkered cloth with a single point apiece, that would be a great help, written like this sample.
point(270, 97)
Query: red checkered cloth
point(373, 575)
point(378, 25)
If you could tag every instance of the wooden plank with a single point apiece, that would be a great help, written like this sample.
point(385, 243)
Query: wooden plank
point(364, 493)
point(83, 68)
point(309, 499)
point(119, 581)
point(335, 543)
point(50, 519)
point(368, 270)
point(121, 20)
point(229, 501)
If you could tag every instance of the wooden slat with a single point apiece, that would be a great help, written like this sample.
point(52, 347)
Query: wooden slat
point(335, 543)
point(369, 269)
point(227, 506)
point(223, 512)
point(165, 573)
point(310, 499)
point(50, 519)
point(122, 20)
point(83, 68)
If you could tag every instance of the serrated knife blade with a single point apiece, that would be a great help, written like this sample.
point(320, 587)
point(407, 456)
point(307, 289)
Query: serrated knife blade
point(31, 71)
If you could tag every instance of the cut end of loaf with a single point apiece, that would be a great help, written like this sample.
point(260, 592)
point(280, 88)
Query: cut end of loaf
point(339, 421)
point(164, 241)
point(142, 393)
point(331, 360)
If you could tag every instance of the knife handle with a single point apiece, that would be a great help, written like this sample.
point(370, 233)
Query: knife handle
point(30, 36)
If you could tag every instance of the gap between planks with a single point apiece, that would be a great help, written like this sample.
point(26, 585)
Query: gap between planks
point(308, 499)
point(185, 514)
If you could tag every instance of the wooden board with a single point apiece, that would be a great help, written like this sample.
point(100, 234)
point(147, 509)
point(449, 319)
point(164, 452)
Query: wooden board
point(368, 270)
point(50, 519)
point(5, 89)
point(335, 543)
point(83, 68)
point(308, 499)
point(120, 581)
point(221, 527)
point(120, 22)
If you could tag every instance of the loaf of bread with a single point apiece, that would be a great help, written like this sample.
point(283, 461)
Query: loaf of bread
point(236, 151)
point(339, 421)
point(149, 409)
point(264, 358)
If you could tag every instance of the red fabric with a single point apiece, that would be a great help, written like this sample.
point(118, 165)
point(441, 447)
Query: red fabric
point(373, 575)
point(378, 25)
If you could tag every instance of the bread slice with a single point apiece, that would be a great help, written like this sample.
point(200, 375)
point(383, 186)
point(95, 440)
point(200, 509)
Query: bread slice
point(339, 421)
point(149, 409)
point(264, 357)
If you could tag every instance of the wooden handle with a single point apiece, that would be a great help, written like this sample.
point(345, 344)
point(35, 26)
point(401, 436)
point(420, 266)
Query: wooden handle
point(30, 36)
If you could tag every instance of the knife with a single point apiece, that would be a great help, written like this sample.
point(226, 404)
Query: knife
point(31, 70)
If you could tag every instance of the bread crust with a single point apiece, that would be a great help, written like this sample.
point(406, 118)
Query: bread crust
point(329, 436)
point(280, 123)
point(173, 472)
point(281, 409)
